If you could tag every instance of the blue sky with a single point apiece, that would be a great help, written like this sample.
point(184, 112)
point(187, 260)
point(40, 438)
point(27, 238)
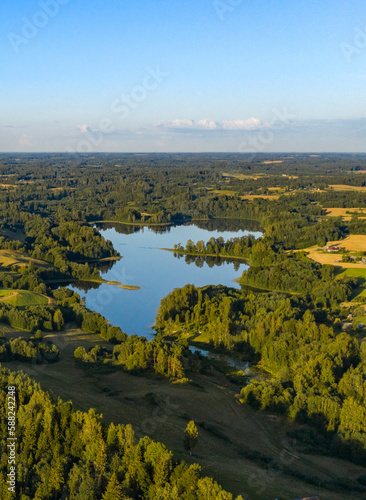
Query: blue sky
point(204, 75)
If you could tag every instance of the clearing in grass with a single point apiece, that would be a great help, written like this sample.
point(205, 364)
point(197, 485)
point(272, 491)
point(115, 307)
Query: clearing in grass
point(22, 298)
point(345, 187)
point(345, 213)
point(10, 258)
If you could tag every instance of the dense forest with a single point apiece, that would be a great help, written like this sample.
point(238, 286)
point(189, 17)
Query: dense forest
point(286, 318)
point(51, 199)
point(63, 453)
point(318, 375)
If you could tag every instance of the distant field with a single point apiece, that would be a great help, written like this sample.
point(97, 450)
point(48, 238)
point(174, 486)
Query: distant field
point(356, 273)
point(11, 257)
point(244, 176)
point(225, 192)
point(343, 212)
point(17, 234)
point(345, 187)
point(354, 242)
point(264, 196)
point(228, 192)
point(333, 259)
point(22, 298)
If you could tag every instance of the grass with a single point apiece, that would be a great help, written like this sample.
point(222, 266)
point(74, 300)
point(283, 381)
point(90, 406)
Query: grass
point(353, 243)
point(116, 283)
point(264, 196)
point(130, 287)
point(345, 187)
point(161, 410)
point(345, 213)
point(361, 275)
point(244, 176)
point(333, 259)
point(223, 192)
point(361, 319)
point(22, 298)
point(9, 258)
point(14, 234)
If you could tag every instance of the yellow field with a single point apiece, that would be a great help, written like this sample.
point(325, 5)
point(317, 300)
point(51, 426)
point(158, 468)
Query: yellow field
point(344, 212)
point(10, 258)
point(334, 260)
point(264, 196)
point(353, 243)
point(345, 187)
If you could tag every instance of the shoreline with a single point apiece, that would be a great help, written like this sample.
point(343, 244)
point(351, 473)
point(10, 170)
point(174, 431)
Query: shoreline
point(172, 223)
point(205, 254)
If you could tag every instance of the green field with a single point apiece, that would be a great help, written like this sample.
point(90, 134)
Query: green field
point(22, 298)
point(357, 273)
point(9, 258)
point(161, 409)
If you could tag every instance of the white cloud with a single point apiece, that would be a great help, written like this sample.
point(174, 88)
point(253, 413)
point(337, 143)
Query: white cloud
point(206, 124)
point(175, 124)
point(25, 141)
point(249, 124)
point(84, 128)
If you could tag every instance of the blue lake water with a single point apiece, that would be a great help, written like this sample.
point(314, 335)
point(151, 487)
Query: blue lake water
point(156, 271)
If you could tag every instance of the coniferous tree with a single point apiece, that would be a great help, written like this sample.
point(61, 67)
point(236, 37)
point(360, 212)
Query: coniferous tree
point(190, 437)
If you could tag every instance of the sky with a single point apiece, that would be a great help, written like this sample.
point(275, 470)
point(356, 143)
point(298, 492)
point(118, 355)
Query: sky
point(183, 76)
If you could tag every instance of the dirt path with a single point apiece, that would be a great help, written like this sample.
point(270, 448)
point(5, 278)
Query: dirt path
point(161, 409)
point(9, 296)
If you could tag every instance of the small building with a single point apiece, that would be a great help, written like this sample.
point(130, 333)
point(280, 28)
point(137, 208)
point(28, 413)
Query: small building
point(347, 327)
point(332, 249)
point(309, 498)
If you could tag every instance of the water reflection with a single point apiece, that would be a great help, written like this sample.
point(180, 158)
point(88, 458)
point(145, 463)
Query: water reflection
point(210, 260)
point(228, 225)
point(221, 225)
point(157, 272)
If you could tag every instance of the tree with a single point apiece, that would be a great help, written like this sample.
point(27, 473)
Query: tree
point(114, 490)
point(58, 320)
point(190, 437)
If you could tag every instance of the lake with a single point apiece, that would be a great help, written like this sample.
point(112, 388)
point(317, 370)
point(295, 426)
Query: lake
point(157, 271)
